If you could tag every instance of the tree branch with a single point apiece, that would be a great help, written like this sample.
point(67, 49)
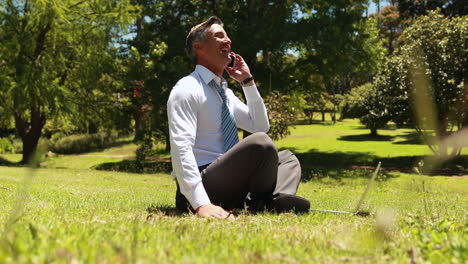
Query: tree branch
point(427, 141)
point(40, 41)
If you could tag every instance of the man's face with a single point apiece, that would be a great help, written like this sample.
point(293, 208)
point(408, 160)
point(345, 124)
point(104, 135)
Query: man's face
point(217, 47)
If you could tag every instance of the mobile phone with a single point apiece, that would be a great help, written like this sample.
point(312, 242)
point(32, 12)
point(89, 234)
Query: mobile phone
point(233, 59)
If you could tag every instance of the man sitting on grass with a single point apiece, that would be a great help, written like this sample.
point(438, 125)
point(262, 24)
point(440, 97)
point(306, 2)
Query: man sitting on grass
point(215, 171)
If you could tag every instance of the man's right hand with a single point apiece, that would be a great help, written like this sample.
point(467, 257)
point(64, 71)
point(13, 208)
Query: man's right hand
point(214, 211)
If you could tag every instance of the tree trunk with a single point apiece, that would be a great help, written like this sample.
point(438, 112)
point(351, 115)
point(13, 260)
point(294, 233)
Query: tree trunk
point(441, 134)
point(168, 142)
point(30, 133)
point(323, 116)
point(138, 116)
point(373, 132)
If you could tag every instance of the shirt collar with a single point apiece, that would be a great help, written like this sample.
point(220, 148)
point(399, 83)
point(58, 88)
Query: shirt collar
point(208, 75)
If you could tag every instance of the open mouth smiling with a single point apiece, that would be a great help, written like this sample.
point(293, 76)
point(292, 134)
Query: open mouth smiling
point(225, 50)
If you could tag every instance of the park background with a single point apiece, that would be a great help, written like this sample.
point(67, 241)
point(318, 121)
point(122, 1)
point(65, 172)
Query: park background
point(84, 153)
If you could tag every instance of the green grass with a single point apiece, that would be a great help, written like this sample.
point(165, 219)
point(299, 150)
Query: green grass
point(82, 215)
point(349, 136)
point(348, 144)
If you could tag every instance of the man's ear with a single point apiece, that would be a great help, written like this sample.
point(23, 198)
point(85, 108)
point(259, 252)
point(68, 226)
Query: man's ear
point(197, 46)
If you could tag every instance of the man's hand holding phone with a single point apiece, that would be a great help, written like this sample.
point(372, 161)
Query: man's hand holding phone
point(237, 68)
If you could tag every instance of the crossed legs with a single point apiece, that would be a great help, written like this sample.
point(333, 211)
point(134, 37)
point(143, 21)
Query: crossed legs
point(253, 167)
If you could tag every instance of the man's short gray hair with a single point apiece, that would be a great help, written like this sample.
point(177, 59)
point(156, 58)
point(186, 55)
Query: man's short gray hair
point(198, 33)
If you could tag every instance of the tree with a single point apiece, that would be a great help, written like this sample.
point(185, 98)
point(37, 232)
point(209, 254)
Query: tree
point(436, 54)
point(331, 36)
point(390, 26)
point(415, 8)
point(366, 103)
point(54, 55)
point(169, 22)
point(341, 43)
point(426, 77)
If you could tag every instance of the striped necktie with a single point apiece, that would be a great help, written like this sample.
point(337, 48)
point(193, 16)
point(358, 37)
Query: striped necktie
point(228, 124)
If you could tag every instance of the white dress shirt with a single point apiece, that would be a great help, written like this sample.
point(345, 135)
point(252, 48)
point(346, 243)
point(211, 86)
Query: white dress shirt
point(194, 114)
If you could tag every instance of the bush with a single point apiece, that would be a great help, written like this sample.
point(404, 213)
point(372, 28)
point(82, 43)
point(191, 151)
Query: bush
point(281, 115)
point(6, 146)
point(364, 102)
point(17, 146)
point(354, 103)
point(81, 143)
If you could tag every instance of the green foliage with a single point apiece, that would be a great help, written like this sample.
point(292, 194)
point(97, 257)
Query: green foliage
point(436, 47)
point(144, 149)
point(6, 146)
point(331, 37)
point(412, 8)
point(390, 25)
point(426, 77)
point(342, 46)
point(365, 102)
point(436, 237)
point(354, 102)
point(55, 59)
point(281, 115)
point(81, 143)
point(17, 145)
point(374, 121)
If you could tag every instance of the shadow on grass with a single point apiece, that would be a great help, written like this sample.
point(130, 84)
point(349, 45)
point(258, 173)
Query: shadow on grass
point(7, 163)
point(134, 166)
point(337, 165)
point(100, 149)
point(314, 122)
point(349, 159)
point(164, 210)
point(411, 138)
point(366, 137)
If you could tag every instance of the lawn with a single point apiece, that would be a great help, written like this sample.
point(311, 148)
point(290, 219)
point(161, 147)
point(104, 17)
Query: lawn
point(62, 213)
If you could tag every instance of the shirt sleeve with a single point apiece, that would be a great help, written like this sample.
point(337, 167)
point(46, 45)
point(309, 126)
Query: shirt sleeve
point(253, 116)
point(182, 109)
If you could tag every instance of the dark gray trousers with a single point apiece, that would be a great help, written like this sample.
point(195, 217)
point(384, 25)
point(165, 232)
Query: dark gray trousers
point(253, 168)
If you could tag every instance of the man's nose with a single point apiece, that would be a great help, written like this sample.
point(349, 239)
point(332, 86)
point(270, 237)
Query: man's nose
point(227, 40)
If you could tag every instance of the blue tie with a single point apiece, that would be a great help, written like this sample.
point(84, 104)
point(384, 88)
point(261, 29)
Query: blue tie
point(228, 124)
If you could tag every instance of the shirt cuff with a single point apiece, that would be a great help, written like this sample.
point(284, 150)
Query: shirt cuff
point(199, 196)
point(251, 93)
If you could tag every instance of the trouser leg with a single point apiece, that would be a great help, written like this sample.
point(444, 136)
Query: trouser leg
point(289, 173)
point(249, 167)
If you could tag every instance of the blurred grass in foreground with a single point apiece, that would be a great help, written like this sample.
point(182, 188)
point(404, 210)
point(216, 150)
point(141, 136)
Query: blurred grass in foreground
point(93, 217)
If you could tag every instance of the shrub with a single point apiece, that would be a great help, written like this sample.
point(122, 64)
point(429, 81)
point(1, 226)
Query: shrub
point(17, 145)
point(364, 102)
point(353, 104)
point(281, 115)
point(81, 143)
point(6, 146)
